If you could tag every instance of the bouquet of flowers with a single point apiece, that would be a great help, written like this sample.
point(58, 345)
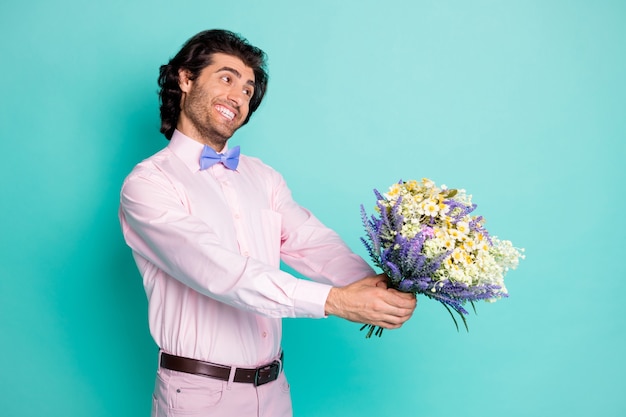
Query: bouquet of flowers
point(425, 239)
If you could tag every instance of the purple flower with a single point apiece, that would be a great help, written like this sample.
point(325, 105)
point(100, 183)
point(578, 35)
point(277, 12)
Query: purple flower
point(428, 231)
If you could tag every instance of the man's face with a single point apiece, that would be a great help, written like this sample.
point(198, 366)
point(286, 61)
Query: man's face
point(215, 105)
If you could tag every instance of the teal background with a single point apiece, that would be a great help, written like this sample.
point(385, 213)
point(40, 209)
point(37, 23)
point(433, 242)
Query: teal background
point(520, 102)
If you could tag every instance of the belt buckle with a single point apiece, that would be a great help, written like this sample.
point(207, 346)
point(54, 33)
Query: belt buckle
point(266, 374)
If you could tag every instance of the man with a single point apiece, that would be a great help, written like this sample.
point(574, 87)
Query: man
point(208, 228)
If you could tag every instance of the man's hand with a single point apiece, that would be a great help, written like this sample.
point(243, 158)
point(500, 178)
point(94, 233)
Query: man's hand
point(369, 301)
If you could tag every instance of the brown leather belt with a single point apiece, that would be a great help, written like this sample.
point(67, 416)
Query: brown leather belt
point(257, 376)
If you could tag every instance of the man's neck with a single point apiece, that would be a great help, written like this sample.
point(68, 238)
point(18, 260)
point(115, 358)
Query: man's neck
point(218, 143)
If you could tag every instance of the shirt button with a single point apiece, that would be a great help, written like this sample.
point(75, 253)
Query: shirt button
point(246, 253)
point(264, 334)
point(237, 216)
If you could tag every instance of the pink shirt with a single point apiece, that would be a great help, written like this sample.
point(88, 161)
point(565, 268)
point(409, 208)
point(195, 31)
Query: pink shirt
point(208, 245)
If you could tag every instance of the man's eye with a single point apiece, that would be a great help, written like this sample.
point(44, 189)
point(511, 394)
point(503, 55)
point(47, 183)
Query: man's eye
point(247, 92)
point(226, 78)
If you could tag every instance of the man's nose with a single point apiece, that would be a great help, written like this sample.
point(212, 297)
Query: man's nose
point(236, 96)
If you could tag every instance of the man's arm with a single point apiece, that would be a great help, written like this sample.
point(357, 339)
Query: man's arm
point(318, 252)
point(159, 229)
point(310, 247)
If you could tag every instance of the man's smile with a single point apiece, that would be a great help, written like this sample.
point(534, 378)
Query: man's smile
point(227, 113)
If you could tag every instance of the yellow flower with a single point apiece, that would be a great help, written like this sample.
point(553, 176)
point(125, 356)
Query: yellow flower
point(428, 183)
point(455, 234)
point(394, 190)
point(463, 227)
point(448, 244)
point(458, 255)
point(410, 185)
point(430, 208)
point(469, 245)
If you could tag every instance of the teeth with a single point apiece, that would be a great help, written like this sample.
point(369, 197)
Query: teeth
point(226, 113)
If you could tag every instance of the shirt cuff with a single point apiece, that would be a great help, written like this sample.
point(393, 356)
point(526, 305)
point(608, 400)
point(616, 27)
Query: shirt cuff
point(310, 299)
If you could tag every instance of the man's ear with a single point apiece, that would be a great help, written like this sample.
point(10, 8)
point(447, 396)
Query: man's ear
point(184, 81)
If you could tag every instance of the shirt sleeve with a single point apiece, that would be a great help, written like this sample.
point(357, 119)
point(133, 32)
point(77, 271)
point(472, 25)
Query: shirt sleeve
point(159, 229)
point(313, 249)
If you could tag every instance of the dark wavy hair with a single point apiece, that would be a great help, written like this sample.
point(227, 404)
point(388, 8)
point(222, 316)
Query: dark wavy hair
point(193, 57)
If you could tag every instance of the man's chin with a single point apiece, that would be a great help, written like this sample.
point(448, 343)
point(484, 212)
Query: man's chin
point(220, 133)
point(228, 131)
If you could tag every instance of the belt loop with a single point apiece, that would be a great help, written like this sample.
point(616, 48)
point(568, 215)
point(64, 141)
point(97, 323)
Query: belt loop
point(280, 362)
point(231, 377)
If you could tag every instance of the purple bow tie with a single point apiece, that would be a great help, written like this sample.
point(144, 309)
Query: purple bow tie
point(209, 157)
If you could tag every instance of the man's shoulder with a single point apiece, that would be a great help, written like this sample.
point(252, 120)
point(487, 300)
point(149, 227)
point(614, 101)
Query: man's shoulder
point(256, 166)
point(155, 160)
point(255, 162)
point(153, 166)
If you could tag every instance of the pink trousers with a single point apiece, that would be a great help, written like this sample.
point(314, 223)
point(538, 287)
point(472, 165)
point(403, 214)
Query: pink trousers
point(182, 394)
